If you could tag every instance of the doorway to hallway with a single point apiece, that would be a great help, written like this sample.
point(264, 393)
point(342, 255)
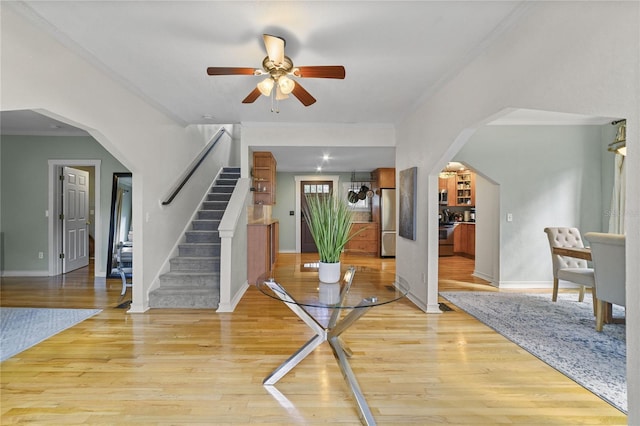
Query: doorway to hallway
point(55, 208)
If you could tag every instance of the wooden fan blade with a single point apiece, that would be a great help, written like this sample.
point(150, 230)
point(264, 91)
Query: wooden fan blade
point(322, 71)
point(255, 94)
point(230, 71)
point(275, 48)
point(302, 95)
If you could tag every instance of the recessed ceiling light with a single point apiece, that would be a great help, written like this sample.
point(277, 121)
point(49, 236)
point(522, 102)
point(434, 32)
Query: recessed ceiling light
point(318, 169)
point(208, 117)
point(325, 157)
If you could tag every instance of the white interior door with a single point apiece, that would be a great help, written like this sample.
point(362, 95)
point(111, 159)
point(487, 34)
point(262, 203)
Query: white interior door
point(75, 202)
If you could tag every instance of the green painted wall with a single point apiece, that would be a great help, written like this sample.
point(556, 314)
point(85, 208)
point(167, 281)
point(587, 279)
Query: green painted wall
point(548, 176)
point(24, 195)
point(286, 202)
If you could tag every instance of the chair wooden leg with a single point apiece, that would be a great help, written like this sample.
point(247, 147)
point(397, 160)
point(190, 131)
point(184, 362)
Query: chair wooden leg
point(599, 315)
point(581, 294)
point(554, 297)
point(595, 300)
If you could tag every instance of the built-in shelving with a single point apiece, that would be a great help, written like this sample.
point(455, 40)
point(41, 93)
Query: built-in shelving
point(264, 178)
point(465, 188)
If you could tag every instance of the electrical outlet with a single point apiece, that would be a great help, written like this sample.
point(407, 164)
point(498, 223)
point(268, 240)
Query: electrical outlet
point(509, 217)
point(40, 255)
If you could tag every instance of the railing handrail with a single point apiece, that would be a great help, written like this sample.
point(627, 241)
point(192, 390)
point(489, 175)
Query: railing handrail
point(194, 165)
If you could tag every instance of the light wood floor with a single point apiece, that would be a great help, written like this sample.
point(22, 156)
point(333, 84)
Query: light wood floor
point(198, 367)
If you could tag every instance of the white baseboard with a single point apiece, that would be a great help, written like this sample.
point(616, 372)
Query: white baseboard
point(484, 276)
point(523, 284)
point(534, 284)
point(229, 307)
point(419, 303)
point(25, 273)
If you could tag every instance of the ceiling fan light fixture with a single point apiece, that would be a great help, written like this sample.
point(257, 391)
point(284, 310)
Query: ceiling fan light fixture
point(279, 95)
point(286, 85)
point(265, 86)
point(278, 68)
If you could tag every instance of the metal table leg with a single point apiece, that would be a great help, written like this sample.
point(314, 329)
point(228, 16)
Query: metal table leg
point(332, 335)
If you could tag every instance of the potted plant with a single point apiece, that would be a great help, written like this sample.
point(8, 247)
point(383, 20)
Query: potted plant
point(329, 219)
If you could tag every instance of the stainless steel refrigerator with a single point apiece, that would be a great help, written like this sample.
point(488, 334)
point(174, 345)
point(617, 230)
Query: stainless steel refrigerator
point(388, 222)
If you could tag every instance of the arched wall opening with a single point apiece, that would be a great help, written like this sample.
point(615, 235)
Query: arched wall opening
point(550, 170)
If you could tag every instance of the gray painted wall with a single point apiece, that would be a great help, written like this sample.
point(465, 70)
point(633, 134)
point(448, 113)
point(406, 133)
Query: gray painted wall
point(25, 190)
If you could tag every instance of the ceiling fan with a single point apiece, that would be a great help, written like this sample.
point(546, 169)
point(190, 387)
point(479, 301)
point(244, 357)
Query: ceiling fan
point(279, 68)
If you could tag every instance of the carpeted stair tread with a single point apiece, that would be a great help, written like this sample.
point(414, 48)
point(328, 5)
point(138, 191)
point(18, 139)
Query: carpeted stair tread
point(199, 249)
point(205, 224)
point(195, 298)
point(186, 280)
point(218, 196)
point(210, 214)
point(196, 264)
point(214, 205)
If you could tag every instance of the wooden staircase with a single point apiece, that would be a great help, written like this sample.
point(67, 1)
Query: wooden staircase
point(193, 280)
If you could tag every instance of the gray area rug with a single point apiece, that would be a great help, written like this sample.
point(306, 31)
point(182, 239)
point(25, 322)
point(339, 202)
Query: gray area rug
point(561, 334)
point(21, 328)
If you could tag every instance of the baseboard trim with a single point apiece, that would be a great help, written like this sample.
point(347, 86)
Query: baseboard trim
point(524, 284)
point(483, 276)
point(25, 273)
point(229, 307)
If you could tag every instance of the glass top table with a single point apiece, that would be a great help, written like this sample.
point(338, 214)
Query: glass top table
point(321, 306)
point(359, 287)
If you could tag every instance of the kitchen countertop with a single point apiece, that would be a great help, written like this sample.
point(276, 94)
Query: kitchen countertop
point(263, 221)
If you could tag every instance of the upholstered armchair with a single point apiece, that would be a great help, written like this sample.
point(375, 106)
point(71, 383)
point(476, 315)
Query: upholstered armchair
point(607, 254)
point(569, 268)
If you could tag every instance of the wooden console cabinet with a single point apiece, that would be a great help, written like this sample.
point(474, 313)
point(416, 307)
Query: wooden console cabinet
point(262, 248)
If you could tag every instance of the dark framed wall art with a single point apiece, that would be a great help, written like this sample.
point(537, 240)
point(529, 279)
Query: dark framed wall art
point(407, 210)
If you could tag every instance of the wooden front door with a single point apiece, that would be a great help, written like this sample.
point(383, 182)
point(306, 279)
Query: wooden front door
point(307, 245)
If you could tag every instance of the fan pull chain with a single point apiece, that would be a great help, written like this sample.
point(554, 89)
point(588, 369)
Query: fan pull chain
point(277, 102)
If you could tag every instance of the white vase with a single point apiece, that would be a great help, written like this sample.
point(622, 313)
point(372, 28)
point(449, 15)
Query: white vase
point(329, 272)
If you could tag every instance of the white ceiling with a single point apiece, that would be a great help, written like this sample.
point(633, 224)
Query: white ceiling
point(395, 53)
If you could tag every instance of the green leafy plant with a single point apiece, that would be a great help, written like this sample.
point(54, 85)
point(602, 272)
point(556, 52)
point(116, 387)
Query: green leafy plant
point(329, 219)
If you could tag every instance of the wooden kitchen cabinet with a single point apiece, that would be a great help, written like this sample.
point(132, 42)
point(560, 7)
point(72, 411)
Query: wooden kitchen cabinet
point(262, 248)
point(464, 239)
point(448, 185)
point(465, 190)
point(264, 178)
point(366, 242)
point(384, 177)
